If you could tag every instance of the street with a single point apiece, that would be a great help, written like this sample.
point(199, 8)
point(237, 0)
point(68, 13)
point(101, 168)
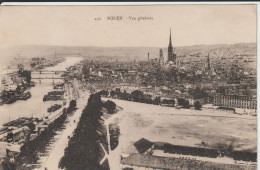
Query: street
point(52, 161)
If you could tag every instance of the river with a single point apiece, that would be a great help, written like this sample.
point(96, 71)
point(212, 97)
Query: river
point(35, 106)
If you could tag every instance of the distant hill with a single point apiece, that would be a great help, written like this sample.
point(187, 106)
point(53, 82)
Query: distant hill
point(120, 53)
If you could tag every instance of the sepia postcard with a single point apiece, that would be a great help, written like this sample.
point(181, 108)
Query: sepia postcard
point(128, 87)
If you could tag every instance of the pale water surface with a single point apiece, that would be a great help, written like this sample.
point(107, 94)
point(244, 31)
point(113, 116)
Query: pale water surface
point(35, 106)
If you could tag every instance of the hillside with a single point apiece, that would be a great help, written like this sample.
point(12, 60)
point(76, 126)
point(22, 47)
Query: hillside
point(120, 53)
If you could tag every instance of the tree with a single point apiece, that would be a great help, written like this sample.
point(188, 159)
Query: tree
point(110, 106)
point(125, 95)
point(184, 103)
point(181, 101)
point(104, 93)
point(118, 91)
point(148, 99)
point(73, 104)
point(137, 95)
point(157, 100)
point(197, 105)
point(112, 93)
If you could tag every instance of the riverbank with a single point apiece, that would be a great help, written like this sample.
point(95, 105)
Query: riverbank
point(34, 106)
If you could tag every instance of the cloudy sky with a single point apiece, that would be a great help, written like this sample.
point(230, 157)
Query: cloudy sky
point(76, 25)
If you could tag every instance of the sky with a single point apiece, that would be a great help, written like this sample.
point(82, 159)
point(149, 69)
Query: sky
point(76, 25)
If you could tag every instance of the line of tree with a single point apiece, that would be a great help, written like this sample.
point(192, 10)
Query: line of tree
point(185, 104)
point(137, 96)
point(84, 151)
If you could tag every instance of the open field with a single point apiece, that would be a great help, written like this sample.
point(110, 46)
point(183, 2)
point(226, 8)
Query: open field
point(186, 127)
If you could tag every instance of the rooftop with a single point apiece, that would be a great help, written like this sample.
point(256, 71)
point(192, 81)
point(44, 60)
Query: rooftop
point(140, 146)
point(150, 161)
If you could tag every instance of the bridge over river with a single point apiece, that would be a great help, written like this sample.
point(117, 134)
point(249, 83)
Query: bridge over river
point(49, 75)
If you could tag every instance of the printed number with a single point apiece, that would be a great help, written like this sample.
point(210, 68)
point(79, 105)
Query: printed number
point(97, 18)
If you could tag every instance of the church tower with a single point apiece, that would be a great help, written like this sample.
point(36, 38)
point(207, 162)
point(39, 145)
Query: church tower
point(161, 58)
point(208, 62)
point(171, 55)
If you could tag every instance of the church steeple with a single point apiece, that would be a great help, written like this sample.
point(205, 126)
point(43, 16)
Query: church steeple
point(171, 55)
point(170, 43)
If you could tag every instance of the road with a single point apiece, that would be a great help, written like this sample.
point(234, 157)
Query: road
point(52, 161)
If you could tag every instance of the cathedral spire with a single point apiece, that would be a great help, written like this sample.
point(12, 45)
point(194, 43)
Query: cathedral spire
point(170, 43)
point(171, 55)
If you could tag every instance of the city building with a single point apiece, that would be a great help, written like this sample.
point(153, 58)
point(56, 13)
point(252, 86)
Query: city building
point(244, 102)
point(142, 146)
point(146, 161)
point(161, 58)
point(208, 63)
